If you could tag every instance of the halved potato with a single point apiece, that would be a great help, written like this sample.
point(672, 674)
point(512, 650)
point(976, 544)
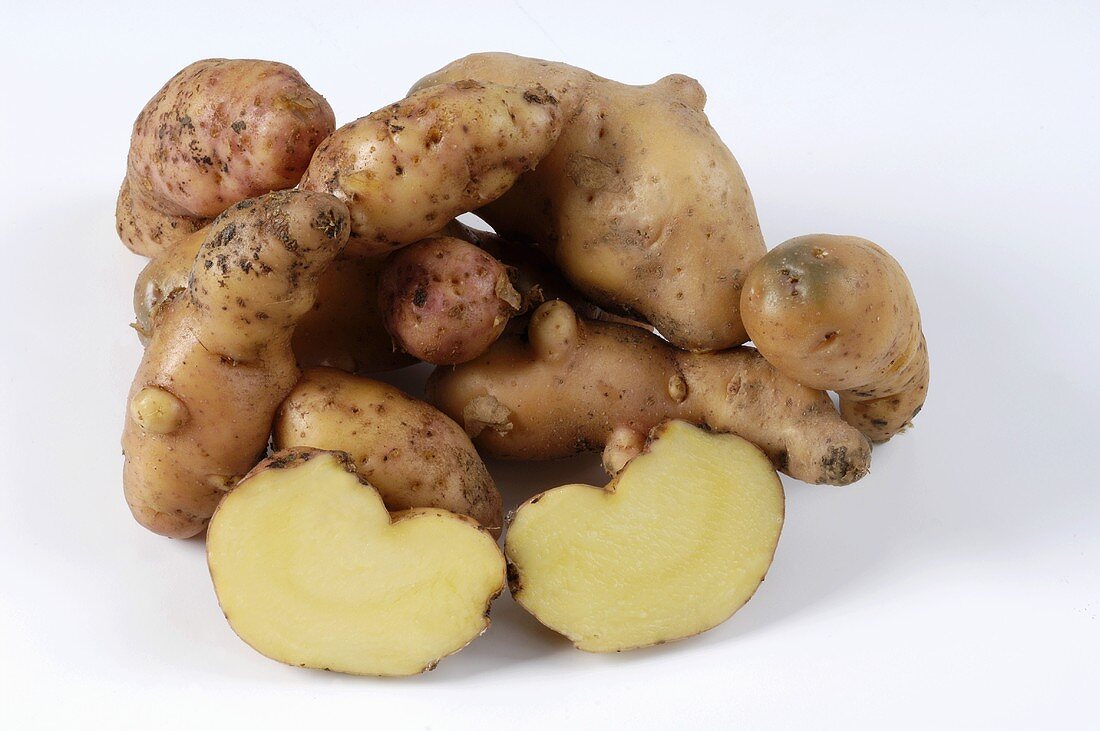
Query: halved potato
point(311, 570)
point(672, 547)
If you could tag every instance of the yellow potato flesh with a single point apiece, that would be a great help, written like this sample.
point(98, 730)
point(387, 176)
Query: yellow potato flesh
point(310, 571)
point(673, 547)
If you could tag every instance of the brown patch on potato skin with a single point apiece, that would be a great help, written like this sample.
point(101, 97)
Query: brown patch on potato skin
point(222, 347)
point(217, 132)
point(565, 388)
point(838, 313)
point(641, 205)
point(409, 168)
point(444, 300)
point(414, 455)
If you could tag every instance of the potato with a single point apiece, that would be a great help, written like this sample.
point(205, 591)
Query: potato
point(220, 131)
point(407, 169)
point(414, 455)
point(444, 300)
point(639, 202)
point(311, 570)
point(672, 547)
point(574, 385)
point(219, 361)
point(838, 313)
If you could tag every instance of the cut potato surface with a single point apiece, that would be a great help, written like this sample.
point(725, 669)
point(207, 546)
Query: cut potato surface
point(672, 547)
point(311, 571)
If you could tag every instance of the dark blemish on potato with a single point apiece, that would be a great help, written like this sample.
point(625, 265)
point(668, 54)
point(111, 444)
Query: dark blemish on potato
point(420, 297)
point(837, 466)
point(514, 584)
point(238, 126)
point(329, 223)
point(539, 95)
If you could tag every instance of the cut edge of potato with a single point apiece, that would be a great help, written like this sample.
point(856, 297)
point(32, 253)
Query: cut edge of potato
point(619, 602)
point(368, 612)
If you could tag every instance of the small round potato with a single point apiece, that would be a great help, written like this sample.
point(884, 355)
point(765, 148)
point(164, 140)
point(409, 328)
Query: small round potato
point(445, 301)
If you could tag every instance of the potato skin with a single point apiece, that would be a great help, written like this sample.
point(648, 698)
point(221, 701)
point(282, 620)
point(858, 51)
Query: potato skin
point(220, 131)
point(145, 229)
point(838, 313)
point(415, 456)
point(219, 360)
point(640, 203)
point(163, 278)
point(574, 385)
point(407, 169)
point(444, 300)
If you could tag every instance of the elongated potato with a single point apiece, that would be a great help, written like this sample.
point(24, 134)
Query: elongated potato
point(312, 571)
point(574, 385)
point(219, 361)
point(414, 455)
point(407, 169)
point(640, 203)
point(673, 546)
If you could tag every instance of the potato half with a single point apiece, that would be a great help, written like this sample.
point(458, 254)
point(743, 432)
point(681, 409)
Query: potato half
point(672, 547)
point(311, 570)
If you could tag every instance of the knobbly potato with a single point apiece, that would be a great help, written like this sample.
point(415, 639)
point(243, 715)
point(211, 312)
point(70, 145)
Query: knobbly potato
point(219, 360)
point(574, 385)
point(445, 301)
point(838, 313)
point(640, 203)
point(407, 169)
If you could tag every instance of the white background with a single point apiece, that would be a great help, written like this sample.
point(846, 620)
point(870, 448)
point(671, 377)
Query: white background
point(958, 586)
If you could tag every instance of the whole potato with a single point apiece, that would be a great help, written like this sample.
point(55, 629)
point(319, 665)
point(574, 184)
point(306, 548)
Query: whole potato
point(640, 203)
point(444, 300)
point(407, 169)
point(838, 313)
point(220, 131)
point(219, 362)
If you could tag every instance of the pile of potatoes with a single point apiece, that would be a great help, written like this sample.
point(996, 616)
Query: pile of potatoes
point(353, 527)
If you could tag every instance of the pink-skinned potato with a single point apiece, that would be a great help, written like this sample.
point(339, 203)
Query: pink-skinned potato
point(220, 131)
